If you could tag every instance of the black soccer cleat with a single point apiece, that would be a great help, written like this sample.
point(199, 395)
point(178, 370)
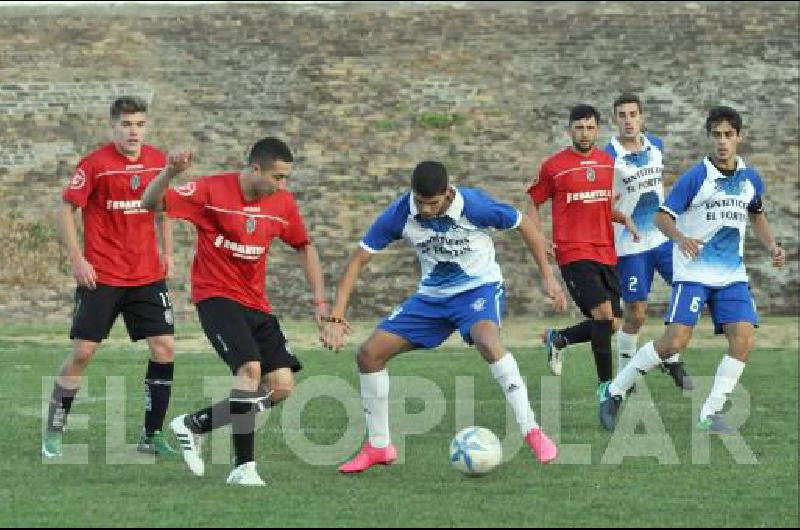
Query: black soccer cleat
point(608, 407)
point(678, 374)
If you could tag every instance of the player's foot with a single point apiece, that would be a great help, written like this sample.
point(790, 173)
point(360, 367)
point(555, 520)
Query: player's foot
point(608, 407)
point(370, 456)
point(544, 449)
point(190, 444)
point(678, 374)
point(555, 346)
point(714, 424)
point(51, 445)
point(156, 444)
point(245, 475)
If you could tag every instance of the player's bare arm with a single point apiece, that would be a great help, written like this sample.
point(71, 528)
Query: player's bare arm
point(165, 235)
point(334, 331)
point(309, 259)
point(764, 233)
point(537, 244)
point(82, 270)
point(533, 214)
point(153, 196)
point(689, 246)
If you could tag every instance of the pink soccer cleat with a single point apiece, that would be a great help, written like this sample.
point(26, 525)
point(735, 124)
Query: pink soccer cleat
point(370, 456)
point(544, 449)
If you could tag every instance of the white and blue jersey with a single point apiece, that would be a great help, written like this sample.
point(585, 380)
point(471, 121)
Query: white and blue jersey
point(461, 281)
point(639, 192)
point(455, 250)
point(714, 208)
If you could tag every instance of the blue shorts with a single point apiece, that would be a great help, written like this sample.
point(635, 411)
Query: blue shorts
point(636, 271)
point(426, 321)
point(729, 304)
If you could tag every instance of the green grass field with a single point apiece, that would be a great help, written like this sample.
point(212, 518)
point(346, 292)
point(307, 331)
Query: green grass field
point(422, 491)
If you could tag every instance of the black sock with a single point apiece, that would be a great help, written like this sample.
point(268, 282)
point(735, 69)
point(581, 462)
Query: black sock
point(60, 405)
point(601, 347)
point(576, 334)
point(158, 387)
point(219, 414)
point(243, 411)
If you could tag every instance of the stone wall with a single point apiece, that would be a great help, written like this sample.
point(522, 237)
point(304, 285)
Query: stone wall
point(364, 92)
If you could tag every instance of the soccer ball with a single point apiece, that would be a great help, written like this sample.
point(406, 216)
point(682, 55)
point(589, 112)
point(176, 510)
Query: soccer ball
point(475, 451)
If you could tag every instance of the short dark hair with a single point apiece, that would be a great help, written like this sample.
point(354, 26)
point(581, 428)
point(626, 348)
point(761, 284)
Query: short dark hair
point(722, 113)
point(127, 105)
point(267, 150)
point(627, 97)
point(580, 112)
point(429, 179)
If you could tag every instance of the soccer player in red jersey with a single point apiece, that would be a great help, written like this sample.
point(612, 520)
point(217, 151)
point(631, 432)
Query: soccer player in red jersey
point(237, 215)
point(120, 270)
point(579, 180)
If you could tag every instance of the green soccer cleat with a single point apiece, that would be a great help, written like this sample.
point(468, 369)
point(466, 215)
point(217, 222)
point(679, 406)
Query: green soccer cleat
point(714, 425)
point(51, 445)
point(156, 444)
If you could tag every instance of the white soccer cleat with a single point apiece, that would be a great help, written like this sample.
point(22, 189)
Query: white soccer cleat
point(555, 355)
point(245, 475)
point(191, 445)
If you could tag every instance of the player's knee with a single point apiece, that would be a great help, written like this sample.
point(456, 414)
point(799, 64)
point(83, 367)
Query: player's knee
point(83, 353)
point(634, 319)
point(250, 373)
point(282, 392)
point(741, 346)
point(368, 359)
point(669, 346)
point(163, 351)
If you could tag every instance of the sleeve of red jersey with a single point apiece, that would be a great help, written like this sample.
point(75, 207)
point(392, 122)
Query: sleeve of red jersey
point(294, 232)
point(541, 187)
point(81, 185)
point(187, 201)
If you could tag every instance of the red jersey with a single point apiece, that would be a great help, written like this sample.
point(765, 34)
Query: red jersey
point(581, 189)
point(119, 235)
point(234, 235)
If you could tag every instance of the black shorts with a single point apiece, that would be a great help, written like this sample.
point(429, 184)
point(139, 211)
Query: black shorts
point(591, 284)
point(241, 335)
point(146, 309)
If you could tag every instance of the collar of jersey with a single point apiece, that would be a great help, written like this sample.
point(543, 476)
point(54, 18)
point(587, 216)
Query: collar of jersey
point(454, 211)
point(621, 151)
point(712, 170)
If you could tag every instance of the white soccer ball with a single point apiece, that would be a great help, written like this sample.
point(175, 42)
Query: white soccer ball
point(475, 451)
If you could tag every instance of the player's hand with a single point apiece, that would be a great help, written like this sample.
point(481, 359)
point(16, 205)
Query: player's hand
point(169, 265)
point(690, 247)
point(178, 161)
point(552, 288)
point(778, 256)
point(631, 226)
point(84, 273)
point(550, 248)
point(321, 311)
point(333, 334)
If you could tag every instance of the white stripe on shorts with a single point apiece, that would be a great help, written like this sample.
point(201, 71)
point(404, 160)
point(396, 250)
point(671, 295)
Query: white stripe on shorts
point(675, 306)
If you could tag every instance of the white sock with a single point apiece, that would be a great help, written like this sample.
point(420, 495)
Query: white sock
point(645, 360)
point(506, 372)
point(674, 359)
point(728, 373)
point(626, 349)
point(375, 396)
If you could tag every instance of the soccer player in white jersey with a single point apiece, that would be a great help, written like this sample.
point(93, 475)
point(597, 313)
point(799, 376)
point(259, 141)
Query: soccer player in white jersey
point(706, 215)
point(461, 289)
point(638, 193)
